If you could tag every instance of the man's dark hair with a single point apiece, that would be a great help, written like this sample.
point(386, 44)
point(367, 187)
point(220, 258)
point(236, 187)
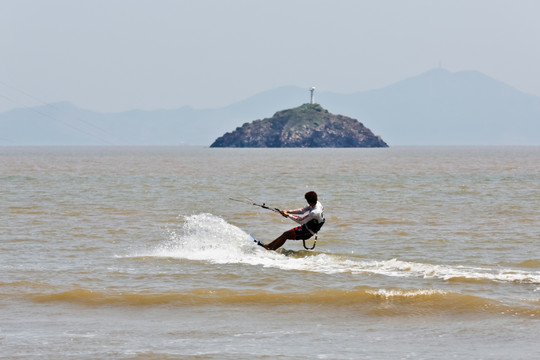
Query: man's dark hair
point(311, 197)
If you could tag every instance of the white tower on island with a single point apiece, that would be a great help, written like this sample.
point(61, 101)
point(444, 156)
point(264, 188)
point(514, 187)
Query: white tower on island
point(312, 95)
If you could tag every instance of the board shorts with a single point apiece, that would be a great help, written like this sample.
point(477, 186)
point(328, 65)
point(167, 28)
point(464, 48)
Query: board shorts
point(301, 233)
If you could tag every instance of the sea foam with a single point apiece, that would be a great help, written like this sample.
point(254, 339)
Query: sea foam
point(206, 237)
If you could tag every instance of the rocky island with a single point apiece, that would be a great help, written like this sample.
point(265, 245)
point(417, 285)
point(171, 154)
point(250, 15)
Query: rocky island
point(308, 125)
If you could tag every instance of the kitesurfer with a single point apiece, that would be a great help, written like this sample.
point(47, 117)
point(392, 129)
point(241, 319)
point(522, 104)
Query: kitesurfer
point(310, 218)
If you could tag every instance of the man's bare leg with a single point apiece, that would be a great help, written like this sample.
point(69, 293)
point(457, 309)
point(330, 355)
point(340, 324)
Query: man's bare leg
point(277, 243)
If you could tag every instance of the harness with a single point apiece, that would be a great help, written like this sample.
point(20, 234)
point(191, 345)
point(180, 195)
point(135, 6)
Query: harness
point(313, 226)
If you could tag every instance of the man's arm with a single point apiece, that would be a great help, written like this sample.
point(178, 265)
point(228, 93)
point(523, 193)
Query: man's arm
point(298, 219)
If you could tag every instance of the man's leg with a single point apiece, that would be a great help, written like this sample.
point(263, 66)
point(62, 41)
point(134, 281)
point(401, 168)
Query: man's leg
point(277, 243)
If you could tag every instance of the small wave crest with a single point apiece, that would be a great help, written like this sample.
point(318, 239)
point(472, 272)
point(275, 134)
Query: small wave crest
point(533, 263)
point(371, 301)
point(398, 268)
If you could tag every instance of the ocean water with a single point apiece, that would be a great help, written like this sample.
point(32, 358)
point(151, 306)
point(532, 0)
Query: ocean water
point(139, 253)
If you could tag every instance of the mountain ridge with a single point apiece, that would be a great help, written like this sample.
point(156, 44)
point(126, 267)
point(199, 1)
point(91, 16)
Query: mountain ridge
point(437, 107)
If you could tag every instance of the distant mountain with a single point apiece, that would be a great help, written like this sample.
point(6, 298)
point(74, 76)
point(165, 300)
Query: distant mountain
point(309, 125)
point(444, 108)
point(65, 124)
point(434, 108)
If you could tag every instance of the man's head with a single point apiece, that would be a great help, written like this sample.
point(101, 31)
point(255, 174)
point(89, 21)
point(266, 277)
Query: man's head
point(311, 197)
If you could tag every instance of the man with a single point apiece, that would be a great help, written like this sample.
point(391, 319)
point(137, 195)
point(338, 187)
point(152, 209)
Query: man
point(310, 223)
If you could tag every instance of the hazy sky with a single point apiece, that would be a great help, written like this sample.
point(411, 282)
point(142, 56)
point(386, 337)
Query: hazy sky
point(114, 55)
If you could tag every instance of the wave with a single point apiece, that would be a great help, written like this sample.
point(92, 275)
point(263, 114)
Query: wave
point(370, 301)
point(400, 268)
point(531, 263)
point(206, 237)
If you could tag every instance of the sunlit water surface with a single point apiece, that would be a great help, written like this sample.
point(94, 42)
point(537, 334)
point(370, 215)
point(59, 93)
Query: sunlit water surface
point(139, 253)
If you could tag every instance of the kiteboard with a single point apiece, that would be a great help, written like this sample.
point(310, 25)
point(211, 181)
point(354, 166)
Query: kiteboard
point(258, 242)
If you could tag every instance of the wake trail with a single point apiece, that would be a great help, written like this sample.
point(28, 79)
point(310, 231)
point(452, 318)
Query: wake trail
point(209, 238)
